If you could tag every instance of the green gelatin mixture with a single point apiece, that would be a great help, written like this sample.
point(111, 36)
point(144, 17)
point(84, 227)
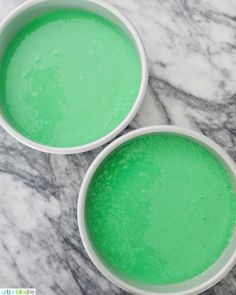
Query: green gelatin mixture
point(69, 78)
point(160, 209)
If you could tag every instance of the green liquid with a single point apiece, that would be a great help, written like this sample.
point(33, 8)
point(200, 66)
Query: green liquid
point(69, 78)
point(160, 209)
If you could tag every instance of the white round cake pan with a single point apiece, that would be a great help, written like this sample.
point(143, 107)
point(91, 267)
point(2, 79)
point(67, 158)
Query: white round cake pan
point(26, 12)
point(196, 285)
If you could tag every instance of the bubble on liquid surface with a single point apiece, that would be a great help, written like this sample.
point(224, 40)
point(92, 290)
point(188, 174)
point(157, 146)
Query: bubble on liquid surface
point(55, 52)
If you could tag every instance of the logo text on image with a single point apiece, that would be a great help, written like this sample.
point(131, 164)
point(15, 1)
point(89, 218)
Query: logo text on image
point(17, 291)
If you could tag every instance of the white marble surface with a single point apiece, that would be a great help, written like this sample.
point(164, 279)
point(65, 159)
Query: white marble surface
point(191, 48)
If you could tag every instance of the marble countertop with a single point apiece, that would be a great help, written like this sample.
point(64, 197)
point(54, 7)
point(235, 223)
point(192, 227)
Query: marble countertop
point(191, 48)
